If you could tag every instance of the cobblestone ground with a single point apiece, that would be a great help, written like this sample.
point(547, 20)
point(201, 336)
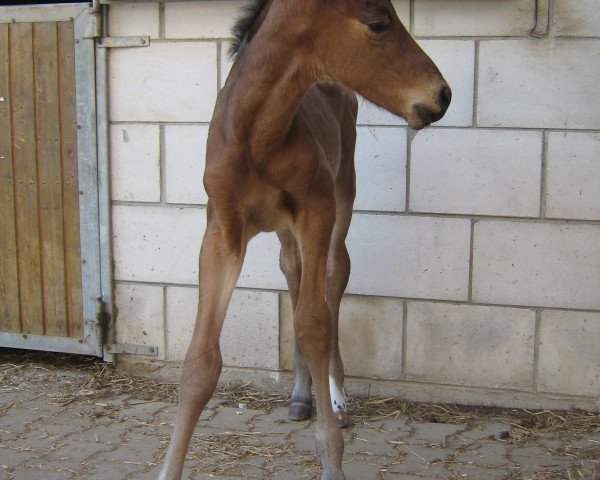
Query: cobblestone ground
point(53, 427)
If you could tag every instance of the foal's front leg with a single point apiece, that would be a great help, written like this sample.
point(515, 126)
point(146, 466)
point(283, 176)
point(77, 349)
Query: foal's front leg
point(338, 273)
point(221, 260)
point(313, 327)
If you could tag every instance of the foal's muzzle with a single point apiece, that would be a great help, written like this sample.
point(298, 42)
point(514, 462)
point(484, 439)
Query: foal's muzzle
point(428, 115)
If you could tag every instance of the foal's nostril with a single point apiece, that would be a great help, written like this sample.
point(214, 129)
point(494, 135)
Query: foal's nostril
point(445, 97)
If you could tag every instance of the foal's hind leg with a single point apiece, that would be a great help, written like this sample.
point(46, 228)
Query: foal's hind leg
point(220, 264)
point(291, 265)
point(338, 272)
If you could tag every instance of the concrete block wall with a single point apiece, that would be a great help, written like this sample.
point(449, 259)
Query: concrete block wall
point(475, 245)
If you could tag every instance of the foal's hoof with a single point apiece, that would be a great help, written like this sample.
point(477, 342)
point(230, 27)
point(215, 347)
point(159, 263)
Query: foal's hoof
point(326, 475)
point(300, 411)
point(342, 418)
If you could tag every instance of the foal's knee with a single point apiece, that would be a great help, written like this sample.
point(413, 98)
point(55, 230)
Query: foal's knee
point(312, 325)
point(202, 367)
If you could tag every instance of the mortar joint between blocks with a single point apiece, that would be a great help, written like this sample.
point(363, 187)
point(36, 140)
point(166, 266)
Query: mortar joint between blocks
point(403, 353)
point(165, 323)
point(220, 78)
point(161, 20)
point(409, 141)
point(536, 350)
point(550, 17)
point(475, 84)
point(471, 259)
point(162, 157)
point(280, 321)
point(544, 174)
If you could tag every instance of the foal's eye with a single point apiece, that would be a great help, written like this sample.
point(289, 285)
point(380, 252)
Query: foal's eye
point(378, 27)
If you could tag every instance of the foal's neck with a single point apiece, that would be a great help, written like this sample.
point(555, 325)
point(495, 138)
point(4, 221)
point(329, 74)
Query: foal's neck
point(267, 85)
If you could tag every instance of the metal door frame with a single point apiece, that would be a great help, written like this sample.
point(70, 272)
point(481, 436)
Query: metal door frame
point(94, 256)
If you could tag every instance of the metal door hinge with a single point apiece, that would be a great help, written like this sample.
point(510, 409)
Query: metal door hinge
point(123, 42)
point(93, 25)
point(128, 348)
point(541, 25)
point(100, 324)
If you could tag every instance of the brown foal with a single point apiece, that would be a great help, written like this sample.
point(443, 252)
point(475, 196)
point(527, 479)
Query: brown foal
point(280, 157)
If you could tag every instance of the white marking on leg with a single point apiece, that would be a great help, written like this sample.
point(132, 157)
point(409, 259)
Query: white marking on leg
point(338, 399)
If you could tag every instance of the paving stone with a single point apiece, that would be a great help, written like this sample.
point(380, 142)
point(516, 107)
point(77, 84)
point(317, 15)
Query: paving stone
point(78, 450)
point(285, 475)
point(269, 439)
point(293, 467)
point(252, 468)
point(472, 472)
point(304, 440)
point(403, 476)
point(31, 442)
point(59, 430)
point(63, 466)
point(371, 442)
point(11, 458)
point(143, 410)
point(550, 443)
point(429, 455)
point(153, 472)
point(276, 422)
point(359, 468)
point(164, 420)
point(107, 435)
point(229, 418)
point(17, 419)
point(133, 450)
point(10, 399)
point(40, 406)
point(397, 426)
point(38, 474)
point(534, 459)
point(587, 441)
point(434, 433)
point(219, 477)
point(488, 453)
point(102, 470)
point(74, 417)
point(412, 464)
point(487, 430)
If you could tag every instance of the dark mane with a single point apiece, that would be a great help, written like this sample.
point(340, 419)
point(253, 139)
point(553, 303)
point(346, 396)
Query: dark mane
point(243, 28)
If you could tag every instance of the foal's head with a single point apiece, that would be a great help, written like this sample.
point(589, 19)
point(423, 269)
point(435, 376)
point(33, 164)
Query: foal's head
point(363, 45)
point(359, 43)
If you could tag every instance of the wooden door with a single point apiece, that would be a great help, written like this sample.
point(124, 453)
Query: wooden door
point(43, 154)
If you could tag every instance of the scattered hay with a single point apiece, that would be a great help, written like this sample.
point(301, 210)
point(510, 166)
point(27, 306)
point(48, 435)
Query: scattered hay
point(255, 399)
point(77, 378)
point(74, 377)
point(525, 424)
point(241, 453)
